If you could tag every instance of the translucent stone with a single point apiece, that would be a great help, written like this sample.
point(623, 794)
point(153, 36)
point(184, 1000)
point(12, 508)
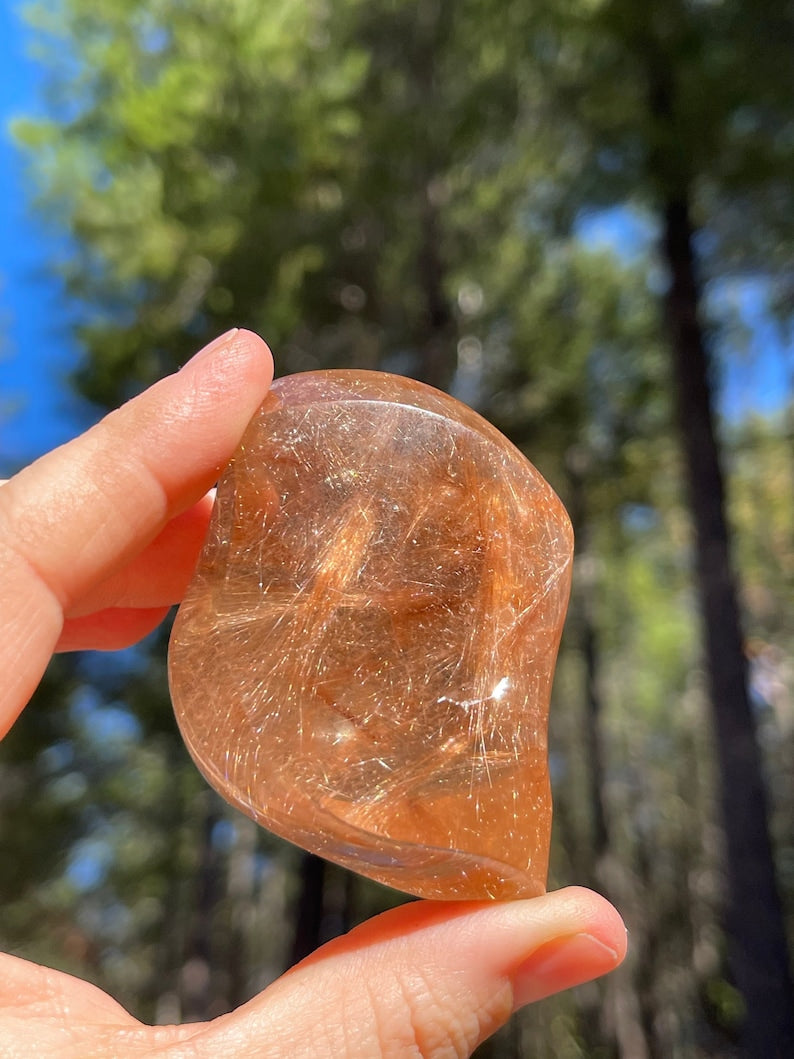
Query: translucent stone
point(363, 660)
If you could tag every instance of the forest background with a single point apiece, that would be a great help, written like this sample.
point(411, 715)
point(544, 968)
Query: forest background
point(576, 215)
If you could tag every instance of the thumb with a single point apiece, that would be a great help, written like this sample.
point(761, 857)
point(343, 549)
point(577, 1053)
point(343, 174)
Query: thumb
point(428, 979)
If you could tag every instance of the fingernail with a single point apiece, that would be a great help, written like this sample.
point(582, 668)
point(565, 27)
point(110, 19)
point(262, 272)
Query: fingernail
point(559, 965)
point(213, 346)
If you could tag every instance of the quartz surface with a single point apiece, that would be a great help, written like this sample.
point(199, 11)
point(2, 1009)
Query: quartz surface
point(363, 660)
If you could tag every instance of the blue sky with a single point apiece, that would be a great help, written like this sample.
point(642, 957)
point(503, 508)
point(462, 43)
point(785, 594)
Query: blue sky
point(37, 409)
point(759, 373)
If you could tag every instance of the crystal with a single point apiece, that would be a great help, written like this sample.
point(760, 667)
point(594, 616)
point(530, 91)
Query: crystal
point(363, 660)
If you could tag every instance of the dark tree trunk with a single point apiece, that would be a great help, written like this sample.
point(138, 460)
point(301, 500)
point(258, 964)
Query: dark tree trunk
point(199, 998)
point(594, 1025)
point(585, 626)
point(757, 947)
point(436, 347)
point(309, 907)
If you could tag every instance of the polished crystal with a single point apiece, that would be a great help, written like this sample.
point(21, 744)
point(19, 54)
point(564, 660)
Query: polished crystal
point(363, 660)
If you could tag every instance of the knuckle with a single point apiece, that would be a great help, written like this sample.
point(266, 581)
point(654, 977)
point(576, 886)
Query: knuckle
point(418, 1018)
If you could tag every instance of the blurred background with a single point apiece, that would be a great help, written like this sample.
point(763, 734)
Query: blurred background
point(575, 215)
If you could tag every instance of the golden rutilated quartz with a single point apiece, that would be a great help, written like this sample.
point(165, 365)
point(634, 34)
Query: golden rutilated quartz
point(363, 660)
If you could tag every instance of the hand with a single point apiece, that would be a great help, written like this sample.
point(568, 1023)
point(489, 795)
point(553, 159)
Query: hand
point(97, 540)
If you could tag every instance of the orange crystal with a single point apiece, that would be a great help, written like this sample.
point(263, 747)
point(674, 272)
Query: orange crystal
point(363, 660)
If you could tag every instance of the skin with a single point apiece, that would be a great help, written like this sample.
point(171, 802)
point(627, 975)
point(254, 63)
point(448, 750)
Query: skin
point(97, 540)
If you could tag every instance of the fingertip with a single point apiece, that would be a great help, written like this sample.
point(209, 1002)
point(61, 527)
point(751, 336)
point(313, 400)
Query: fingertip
point(255, 341)
point(252, 347)
point(597, 916)
point(591, 940)
point(236, 347)
point(561, 964)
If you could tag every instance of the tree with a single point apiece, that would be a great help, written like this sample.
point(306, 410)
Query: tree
point(676, 137)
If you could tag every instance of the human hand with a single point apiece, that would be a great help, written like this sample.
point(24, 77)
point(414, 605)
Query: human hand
point(97, 540)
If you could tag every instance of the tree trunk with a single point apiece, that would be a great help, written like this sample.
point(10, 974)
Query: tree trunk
point(436, 364)
point(757, 947)
point(587, 642)
point(597, 1026)
point(198, 994)
point(436, 348)
point(309, 907)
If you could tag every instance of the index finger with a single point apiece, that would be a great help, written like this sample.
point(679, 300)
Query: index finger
point(78, 514)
